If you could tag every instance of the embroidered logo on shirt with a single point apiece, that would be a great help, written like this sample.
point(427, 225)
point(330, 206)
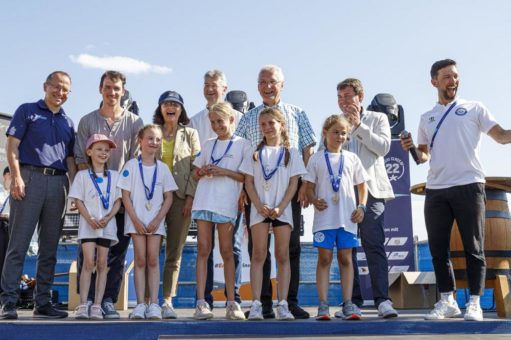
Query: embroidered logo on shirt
point(35, 116)
point(12, 131)
point(431, 119)
point(126, 173)
point(461, 111)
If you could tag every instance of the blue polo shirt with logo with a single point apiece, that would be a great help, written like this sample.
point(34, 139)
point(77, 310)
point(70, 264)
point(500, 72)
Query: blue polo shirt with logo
point(47, 139)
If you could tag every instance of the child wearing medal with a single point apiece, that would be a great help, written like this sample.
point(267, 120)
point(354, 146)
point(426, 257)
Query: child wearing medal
point(98, 200)
point(219, 187)
point(271, 180)
point(331, 176)
point(147, 186)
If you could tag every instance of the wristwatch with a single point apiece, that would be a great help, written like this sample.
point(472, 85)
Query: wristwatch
point(363, 207)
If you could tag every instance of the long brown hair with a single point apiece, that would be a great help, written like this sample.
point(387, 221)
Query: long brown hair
point(279, 117)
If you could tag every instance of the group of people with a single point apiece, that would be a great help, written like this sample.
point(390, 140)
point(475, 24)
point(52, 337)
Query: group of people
point(146, 182)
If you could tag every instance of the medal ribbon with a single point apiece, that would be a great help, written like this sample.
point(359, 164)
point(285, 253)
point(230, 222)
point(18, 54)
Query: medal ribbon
point(105, 199)
point(216, 161)
point(148, 192)
point(335, 180)
point(439, 124)
point(268, 176)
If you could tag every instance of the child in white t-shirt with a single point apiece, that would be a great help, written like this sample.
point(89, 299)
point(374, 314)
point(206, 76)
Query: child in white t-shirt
point(97, 198)
point(332, 175)
point(216, 197)
point(271, 180)
point(147, 186)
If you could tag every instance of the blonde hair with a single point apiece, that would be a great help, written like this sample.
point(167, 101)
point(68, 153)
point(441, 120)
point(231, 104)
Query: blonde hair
point(224, 110)
point(279, 117)
point(331, 121)
point(141, 132)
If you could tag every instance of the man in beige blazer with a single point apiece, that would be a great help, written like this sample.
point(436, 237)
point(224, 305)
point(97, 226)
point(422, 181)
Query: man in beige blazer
point(370, 139)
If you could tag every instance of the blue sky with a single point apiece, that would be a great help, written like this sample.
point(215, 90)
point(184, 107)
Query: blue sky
point(389, 45)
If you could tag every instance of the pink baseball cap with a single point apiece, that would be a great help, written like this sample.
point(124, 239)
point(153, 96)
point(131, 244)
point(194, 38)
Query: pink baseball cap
point(98, 137)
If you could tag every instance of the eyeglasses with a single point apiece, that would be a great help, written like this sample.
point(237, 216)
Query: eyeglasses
point(266, 83)
point(59, 88)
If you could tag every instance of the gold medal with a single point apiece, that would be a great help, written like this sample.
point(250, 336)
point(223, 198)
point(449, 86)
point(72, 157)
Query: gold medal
point(266, 186)
point(335, 198)
point(148, 206)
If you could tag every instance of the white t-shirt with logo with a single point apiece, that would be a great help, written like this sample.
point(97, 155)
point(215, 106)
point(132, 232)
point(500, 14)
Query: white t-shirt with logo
point(455, 153)
point(220, 194)
point(337, 214)
point(131, 181)
point(277, 185)
point(84, 190)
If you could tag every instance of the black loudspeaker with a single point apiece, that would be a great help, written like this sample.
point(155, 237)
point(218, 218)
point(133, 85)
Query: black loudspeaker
point(386, 103)
point(239, 101)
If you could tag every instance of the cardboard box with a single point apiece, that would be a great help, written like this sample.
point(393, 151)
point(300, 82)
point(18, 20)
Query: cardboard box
point(413, 289)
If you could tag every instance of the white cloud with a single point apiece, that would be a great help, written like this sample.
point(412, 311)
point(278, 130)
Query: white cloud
point(118, 63)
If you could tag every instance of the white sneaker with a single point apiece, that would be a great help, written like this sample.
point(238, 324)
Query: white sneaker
point(202, 311)
point(168, 311)
point(153, 312)
point(96, 312)
point(82, 312)
point(138, 312)
point(256, 311)
point(386, 311)
point(283, 312)
point(473, 312)
point(234, 312)
point(442, 310)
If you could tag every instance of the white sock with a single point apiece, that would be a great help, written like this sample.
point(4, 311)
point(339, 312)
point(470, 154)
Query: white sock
point(229, 303)
point(447, 296)
point(200, 301)
point(474, 299)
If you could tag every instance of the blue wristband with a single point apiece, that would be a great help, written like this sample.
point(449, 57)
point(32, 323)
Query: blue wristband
point(363, 207)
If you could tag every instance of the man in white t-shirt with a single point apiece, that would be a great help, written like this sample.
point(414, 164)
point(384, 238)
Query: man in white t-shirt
point(215, 89)
point(449, 138)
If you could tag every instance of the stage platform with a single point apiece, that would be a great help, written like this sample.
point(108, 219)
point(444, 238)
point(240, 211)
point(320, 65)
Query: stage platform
point(409, 323)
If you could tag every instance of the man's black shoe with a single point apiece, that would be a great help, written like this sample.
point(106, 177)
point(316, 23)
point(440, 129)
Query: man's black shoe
point(8, 312)
point(268, 312)
point(298, 312)
point(47, 311)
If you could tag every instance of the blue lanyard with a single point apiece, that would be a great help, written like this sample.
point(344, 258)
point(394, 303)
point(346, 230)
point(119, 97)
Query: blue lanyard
point(439, 124)
point(335, 180)
point(5, 203)
point(105, 200)
point(216, 161)
point(268, 176)
point(148, 192)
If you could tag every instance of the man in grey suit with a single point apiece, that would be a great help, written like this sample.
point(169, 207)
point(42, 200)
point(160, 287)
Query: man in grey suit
point(370, 139)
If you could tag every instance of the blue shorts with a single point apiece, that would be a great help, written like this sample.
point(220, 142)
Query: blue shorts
point(338, 238)
point(210, 216)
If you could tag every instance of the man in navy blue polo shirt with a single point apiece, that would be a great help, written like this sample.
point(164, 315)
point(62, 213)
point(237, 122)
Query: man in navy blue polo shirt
point(40, 142)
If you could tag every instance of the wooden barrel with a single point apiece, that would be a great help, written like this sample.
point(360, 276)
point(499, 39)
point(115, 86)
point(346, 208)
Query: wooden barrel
point(497, 240)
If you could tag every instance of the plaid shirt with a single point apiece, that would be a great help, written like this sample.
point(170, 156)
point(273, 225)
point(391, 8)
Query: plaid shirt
point(299, 128)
